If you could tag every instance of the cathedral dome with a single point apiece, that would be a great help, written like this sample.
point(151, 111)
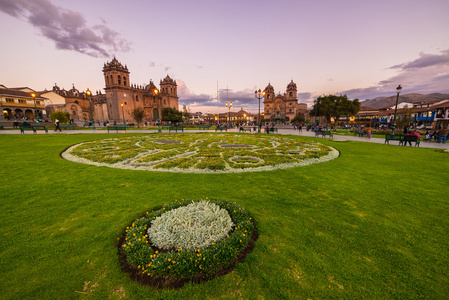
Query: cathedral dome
point(291, 86)
point(269, 88)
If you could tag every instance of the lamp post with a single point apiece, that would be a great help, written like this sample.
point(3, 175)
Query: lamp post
point(258, 94)
point(89, 93)
point(35, 108)
point(229, 113)
point(398, 90)
point(123, 114)
point(156, 92)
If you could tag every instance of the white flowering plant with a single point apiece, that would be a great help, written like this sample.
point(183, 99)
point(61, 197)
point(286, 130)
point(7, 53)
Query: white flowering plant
point(153, 260)
point(201, 153)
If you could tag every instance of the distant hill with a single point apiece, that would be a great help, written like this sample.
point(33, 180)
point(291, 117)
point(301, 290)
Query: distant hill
point(385, 101)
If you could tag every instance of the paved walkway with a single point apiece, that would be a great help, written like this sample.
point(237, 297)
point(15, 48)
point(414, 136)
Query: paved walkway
point(281, 131)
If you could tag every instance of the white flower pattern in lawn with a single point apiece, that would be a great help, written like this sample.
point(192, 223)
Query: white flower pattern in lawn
point(201, 153)
point(190, 227)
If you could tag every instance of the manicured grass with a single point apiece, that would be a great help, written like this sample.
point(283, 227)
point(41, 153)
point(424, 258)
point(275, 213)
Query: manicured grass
point(372, 223)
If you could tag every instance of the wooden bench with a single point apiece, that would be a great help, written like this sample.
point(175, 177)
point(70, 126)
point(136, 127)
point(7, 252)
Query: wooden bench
point(32, 128)
point(175, 128)
point(67, 126)
point(273, 130)
point(393, 137)
point(204, 127)
point(117, 127)
point(166, 127)
point(221, 128)
point(244, 129)
point(410, 138)
point(324, 133)
point(1, 126)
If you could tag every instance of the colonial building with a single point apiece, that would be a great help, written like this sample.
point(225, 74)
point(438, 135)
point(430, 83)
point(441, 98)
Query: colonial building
point(19, 103)
point(73, 101)
point(122, 97)
point(282, 107)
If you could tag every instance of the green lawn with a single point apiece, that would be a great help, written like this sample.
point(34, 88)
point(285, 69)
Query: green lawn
point(371, 224)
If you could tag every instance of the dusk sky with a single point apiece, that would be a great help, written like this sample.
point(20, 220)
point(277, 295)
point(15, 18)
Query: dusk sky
point(360, 48)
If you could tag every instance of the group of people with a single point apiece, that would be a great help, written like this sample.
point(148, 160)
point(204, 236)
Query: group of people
point(440, 135)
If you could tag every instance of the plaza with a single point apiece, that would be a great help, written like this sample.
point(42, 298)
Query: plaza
point(372, 221)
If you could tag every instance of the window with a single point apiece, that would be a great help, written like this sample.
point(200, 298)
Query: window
point(291, 94)
point(137, 99)
point(124, 80)
point(268, 96)
point(119, 79)
point(38, 102)
point(268, 111)
point(22, 101)
point(290, 104)
point(9, 100)
point(290, 110)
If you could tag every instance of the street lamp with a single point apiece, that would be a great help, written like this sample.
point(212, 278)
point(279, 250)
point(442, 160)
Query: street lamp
point(229, 113)
point(89, 93)
point(398, 90)
point(123, 114)
point(35, 108)
point(156, 92)
point(257, 94)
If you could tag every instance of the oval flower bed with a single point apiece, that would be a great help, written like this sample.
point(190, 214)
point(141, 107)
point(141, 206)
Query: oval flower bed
point(201, 153)
point(187, 241)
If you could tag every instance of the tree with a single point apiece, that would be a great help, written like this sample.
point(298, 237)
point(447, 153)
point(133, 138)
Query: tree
point(171, 115)
point(332, 106)
point(62, 116)
point(186, 114)
point(299, 118)
point(404, 118)
point(138, 115)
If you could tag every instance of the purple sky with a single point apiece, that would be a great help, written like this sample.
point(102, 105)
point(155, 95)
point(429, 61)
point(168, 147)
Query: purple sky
point(360, 48)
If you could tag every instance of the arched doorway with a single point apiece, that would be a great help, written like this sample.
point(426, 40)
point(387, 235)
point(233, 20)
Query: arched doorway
point(29, 114)
point(7, 113)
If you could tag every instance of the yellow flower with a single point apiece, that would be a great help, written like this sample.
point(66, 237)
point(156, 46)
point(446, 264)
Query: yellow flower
point(169, 259)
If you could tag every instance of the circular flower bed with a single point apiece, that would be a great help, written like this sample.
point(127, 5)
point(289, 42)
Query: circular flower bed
point(194, 249)
point(196, 153)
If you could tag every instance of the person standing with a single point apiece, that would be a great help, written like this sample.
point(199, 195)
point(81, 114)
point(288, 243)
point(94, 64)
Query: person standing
point(57, 125)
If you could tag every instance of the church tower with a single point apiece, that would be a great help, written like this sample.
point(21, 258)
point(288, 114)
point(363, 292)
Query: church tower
point(292, 92)
point(268, 99)
point(116, 77)
point(169, 92)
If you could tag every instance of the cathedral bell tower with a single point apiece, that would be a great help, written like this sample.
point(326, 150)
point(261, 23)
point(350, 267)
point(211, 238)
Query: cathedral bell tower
point(292, 91)
point(118, 96)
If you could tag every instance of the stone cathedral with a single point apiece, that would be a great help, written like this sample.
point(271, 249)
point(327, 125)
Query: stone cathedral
point(122, 97)
point(282, 106)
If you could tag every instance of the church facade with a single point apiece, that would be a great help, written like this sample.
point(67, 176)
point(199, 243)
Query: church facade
point(285, 106)
point(122, 97)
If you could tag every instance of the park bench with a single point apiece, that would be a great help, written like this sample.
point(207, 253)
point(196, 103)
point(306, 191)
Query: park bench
point(16, 124)
point(391, 137)
point(67, 126)
point(34, 129)
point(273, 130)
point(117, 127)
point(204, 127)
point(410, 138)
point(324, 133)
point(244, 129)
point(1, 126)
point(175, 128)
point(221, 128)
point(166, 127)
